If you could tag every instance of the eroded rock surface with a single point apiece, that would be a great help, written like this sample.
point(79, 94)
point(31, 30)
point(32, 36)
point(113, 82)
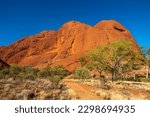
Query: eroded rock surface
point(64, 46)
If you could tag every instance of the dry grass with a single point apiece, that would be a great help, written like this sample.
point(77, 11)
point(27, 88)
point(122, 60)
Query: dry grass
point(26, 89)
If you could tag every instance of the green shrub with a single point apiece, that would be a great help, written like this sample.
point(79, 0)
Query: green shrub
point(21, 75)
point(30, 76)
point(28, 73)
point(1, 66)
point(29, 70)
point(139, 79)
point(14, 70)
point(56, 79)
point(145, 79)
point(45, 72)
point(4, 73)
point(81, 73)
point(59, 71)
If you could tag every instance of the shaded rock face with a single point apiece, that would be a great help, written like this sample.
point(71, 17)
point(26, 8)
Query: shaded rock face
point(3, 64)
point(64, 46)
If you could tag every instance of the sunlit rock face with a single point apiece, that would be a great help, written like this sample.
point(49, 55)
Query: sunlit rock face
point(64, 46)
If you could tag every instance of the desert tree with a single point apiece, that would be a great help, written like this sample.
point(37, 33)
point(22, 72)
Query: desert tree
point(115, 57)
point(146, 53)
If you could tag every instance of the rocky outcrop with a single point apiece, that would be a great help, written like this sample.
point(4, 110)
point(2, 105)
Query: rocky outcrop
point(64, 46)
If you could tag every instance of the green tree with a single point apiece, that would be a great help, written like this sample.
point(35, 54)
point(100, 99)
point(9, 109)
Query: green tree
point(95, 65)
point(115, 57)
point(146, 53)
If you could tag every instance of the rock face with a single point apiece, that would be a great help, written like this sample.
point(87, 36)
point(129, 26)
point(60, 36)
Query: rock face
point(64, 46)
point(3, 64)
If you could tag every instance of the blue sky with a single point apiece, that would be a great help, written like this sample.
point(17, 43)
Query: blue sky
point(21, 18)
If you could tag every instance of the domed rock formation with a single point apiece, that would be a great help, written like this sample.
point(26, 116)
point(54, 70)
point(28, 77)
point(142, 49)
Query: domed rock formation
point(64, 46)
point(115, 30)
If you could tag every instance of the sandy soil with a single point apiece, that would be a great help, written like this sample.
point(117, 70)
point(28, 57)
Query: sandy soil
point(81, 91)
point(117, 91)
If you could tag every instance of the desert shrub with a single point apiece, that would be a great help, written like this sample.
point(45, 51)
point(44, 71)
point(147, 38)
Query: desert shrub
point(81, 73)
point(83, 60)
point(145, 79)
point(1, 66)
point(21, 75)
point(14, 70)
point(45, 72)
point(139, 79)
point(29, 70)
point(30, 76)
point(56, 79)
point(1, 75)
point(52, 72)
point(4, 73)
point(59, 71)
point(26, 76)
point(132, 79)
